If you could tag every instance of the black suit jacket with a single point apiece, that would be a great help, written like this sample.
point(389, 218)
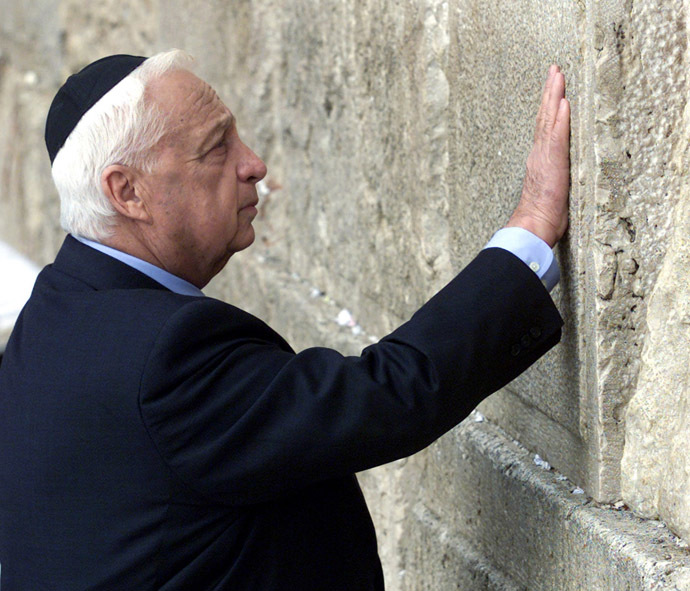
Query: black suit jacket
point(150, 440)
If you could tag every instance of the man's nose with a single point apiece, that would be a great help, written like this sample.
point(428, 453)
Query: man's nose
point(251, 168)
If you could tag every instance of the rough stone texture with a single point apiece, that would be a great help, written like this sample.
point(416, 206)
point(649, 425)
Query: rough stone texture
point(637, 106)
point(499, 496)
point(655, 467)
point(395, 135)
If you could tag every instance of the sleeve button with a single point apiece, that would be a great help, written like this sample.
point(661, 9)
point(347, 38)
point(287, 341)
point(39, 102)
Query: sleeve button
point(515, 350)
point(525, 341)
point(535, 331)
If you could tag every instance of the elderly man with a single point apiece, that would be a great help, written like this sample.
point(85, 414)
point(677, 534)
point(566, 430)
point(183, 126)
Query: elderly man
point(154, 438)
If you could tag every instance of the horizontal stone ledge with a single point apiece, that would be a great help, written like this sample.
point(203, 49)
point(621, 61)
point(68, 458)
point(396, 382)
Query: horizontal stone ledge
point(557, 538)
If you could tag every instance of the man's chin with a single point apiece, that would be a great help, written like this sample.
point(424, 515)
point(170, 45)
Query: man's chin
point(241, 242)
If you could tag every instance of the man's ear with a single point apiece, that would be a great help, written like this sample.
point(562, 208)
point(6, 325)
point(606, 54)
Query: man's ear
point(118, 184)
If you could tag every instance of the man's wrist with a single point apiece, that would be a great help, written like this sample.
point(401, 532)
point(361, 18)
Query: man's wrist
point(542, 230)
point(531, 250)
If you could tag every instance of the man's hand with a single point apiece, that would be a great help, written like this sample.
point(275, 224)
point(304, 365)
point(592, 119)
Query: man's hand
point(543, 207)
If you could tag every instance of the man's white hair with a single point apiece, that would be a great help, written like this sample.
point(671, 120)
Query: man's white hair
point(119, 129)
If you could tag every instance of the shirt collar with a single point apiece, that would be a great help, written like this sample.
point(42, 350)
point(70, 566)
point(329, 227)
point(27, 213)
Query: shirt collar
point(172, 282)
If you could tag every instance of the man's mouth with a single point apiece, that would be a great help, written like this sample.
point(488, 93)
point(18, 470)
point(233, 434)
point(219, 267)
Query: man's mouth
point(251, 205)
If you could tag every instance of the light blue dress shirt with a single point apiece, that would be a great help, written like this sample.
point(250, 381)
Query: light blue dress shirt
point(172, 282)
point(530, 249)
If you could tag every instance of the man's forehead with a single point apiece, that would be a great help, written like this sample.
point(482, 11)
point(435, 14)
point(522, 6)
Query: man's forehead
point(190, 101)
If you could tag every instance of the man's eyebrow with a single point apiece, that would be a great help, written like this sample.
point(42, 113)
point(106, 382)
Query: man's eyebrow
point(217, 130)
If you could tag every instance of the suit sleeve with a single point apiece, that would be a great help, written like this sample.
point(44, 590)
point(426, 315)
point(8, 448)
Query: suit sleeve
point(241, 418)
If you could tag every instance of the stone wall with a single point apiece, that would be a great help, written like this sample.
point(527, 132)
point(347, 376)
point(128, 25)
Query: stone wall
point(395, 135)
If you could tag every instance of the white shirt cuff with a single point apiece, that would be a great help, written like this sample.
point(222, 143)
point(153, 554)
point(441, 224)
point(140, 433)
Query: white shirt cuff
point(531, 250)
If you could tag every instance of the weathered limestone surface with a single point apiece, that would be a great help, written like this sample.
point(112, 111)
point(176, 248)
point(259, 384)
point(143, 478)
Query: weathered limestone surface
point(488, 542)
point(641, 92)
point(655, 468)
point(395, 134)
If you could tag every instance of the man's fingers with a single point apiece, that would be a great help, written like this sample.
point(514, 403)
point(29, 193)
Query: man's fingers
point(546, 93)
point(556, 93)
point(560, 135)
point(543, 207)
point(562, 127)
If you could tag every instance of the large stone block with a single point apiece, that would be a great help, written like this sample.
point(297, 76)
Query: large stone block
point(655, 469)
point(638, 105)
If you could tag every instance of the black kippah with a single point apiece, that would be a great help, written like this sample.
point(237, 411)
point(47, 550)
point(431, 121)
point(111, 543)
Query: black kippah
point(81, 92)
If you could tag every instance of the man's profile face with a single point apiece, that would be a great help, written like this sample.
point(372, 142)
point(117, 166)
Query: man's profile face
point(202, 193)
